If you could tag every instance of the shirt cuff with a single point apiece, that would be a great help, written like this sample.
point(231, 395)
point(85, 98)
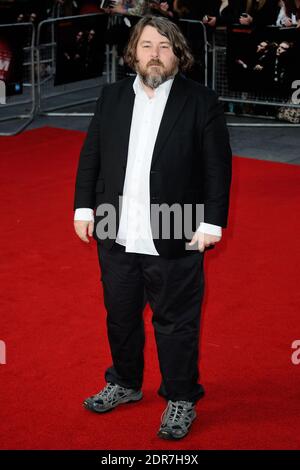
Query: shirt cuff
point(210, 229)
point(85, 214)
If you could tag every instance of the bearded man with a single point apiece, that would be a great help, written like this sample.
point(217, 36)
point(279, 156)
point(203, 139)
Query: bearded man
point(158, 140)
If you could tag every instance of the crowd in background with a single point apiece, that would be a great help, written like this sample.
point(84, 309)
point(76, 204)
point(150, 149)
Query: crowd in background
point(211, 12)
point(271, 62)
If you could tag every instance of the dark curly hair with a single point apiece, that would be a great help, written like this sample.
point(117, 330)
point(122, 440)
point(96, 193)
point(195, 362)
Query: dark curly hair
point(167, 29)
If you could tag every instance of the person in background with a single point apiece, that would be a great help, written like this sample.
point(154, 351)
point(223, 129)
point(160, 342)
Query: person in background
point(256, 13)
point(188, 9)
point(142, 7)
point(62, 8)
point(136, 8)
point(213, 11)
point(290, 13)
point(161, 8)
point(281, 15)
point(21, 18)
point(33, 18)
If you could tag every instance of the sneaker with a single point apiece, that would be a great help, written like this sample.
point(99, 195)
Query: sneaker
point(177, 419)
point(111, 396)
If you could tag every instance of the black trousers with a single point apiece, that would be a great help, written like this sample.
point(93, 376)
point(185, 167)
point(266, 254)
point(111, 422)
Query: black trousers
point(174, 289)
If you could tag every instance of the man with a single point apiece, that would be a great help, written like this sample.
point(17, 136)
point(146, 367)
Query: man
point(156, 140)
point(281, 65)
point(278, 68)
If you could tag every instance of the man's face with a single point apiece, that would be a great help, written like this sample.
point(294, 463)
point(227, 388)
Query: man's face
point(282, 48)
point(79, 36)
point(262, 47)
point(155, 59)
point(91, 35)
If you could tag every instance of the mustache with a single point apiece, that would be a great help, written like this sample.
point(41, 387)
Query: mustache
point(155, 62)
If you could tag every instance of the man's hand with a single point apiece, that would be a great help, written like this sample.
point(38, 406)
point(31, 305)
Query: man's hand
point(210, 20)
point(204, 240)
point(240, 62)
point(164, 6)
point(287, 22)
point(84, 229)
point(246, 20)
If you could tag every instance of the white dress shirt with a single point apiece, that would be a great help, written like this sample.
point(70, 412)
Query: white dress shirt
point(135, 228)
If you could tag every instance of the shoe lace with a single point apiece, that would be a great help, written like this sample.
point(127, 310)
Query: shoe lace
point(177, 414)
point(108, 392)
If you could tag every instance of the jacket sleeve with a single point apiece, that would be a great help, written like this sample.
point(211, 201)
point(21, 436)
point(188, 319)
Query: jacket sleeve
point(89, 163)
point(216, 163)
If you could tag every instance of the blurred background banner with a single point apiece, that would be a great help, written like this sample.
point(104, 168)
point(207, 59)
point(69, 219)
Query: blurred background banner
point(11, 59)
point(80, 48)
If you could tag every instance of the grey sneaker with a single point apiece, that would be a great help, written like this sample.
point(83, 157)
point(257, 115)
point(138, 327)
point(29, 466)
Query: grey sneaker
point(111, 396)
point(177, 419)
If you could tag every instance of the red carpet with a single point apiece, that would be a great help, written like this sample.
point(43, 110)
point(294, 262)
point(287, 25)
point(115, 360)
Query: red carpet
point(53, 323)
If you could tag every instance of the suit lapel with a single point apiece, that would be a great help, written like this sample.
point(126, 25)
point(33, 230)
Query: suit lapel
point(126, 104)
point(174, 106)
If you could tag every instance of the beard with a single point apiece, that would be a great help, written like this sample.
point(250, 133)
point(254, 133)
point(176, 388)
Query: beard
point(155, 73)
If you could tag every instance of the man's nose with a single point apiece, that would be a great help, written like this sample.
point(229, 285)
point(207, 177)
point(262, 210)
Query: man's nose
point(154, 52)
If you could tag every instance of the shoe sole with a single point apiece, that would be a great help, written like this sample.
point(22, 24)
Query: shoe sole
point(89, 406)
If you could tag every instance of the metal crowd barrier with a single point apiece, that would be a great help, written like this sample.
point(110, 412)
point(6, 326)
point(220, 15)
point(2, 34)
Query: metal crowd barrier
point(41, 96)
point(221, 86)
point(48, 99)
point(19, 109)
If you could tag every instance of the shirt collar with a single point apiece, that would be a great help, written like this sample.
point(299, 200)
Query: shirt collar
point(164, 88)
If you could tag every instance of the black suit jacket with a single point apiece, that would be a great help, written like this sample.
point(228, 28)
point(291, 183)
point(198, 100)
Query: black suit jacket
point(191, 162)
